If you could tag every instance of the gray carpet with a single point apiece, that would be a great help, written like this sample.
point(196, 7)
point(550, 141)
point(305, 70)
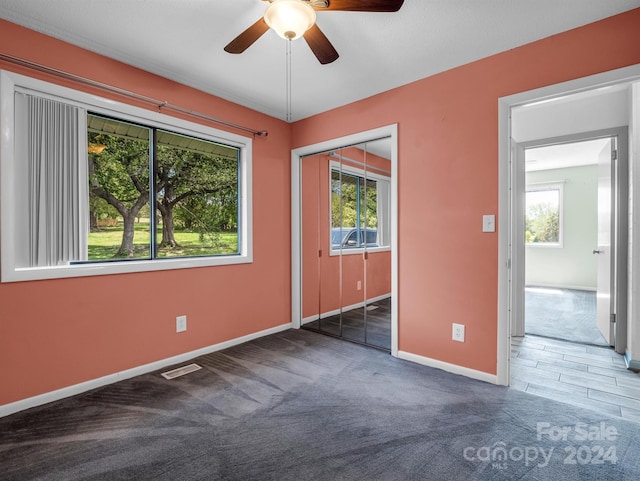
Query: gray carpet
point(302, 406)
point(566, 314)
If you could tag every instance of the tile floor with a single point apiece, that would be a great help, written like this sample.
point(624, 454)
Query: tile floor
point(592, 377)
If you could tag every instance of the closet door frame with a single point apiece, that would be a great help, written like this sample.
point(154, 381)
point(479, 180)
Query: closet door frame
point(390, 131)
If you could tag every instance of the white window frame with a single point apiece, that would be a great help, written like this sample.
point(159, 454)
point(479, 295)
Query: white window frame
point(354, 171)
point(9, 84)
point(545, 186)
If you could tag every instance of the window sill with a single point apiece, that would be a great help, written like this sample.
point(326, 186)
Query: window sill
point(118, 267)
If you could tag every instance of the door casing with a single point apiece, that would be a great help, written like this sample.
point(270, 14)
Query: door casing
point(507, 252)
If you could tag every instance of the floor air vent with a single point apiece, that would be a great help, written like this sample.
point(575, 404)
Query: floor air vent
point(181, 371)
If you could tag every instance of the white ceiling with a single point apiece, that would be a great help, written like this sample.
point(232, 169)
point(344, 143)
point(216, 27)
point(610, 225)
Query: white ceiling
point(561, 156)
point(183, 40)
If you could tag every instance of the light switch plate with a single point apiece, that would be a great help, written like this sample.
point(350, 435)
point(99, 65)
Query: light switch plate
point(181, 323)
point(489, 223)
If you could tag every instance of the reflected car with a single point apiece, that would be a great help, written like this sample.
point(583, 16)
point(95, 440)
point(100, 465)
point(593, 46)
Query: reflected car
point(353, 238)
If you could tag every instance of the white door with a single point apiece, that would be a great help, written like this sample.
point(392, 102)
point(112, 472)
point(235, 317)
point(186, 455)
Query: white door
point(604, 250)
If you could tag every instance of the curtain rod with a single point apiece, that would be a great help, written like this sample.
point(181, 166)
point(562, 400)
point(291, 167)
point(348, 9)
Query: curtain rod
point(159, 104)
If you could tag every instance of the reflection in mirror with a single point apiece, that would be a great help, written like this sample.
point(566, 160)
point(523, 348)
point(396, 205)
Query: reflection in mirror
point(346, 243)
point(378, 264)
point(320, 283)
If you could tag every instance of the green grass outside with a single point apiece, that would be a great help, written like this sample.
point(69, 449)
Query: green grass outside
point(104, 244)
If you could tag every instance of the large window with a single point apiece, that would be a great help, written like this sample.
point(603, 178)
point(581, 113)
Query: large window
point(359, 209)
point(95, 187)
point(543, 216)
point(194, 194)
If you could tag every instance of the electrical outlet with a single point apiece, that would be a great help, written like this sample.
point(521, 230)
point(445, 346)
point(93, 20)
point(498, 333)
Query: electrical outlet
point(181, 323)
point(359, 285)
point(457, 332)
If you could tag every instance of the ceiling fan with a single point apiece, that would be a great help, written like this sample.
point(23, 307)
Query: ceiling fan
point(292, 19)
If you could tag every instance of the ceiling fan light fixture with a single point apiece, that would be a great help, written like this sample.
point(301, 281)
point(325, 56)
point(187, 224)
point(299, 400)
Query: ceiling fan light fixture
point(290, 19)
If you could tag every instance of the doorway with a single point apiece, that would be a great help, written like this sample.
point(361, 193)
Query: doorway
point(344, 230)
point(600, 101)
point(575, 235)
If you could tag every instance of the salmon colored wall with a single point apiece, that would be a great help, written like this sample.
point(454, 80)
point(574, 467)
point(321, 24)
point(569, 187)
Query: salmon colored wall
point(57, 333)
point(322, 289)
point(311, 199)
point(448, 178)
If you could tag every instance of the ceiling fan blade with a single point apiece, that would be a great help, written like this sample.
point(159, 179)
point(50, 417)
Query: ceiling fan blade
point(364, 5)
point(320, 45)
point(246, 38)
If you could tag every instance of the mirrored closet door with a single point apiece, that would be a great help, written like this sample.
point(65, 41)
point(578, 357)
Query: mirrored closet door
point(346, 251)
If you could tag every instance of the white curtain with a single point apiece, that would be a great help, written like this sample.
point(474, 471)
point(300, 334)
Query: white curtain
point(384, 210)
point(58, 194)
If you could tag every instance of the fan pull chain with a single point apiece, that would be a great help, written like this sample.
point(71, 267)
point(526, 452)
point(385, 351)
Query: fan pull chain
point(288, 82)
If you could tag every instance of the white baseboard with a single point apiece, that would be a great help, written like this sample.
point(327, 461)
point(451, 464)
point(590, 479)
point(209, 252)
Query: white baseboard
point(452, 368)
point(306, 320)
point(630, 362)
point(58, 394)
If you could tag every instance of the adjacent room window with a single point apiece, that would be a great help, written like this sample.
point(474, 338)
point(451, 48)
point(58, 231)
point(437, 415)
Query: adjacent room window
point(359, 209)
point(88, 190)
point(543, 215)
